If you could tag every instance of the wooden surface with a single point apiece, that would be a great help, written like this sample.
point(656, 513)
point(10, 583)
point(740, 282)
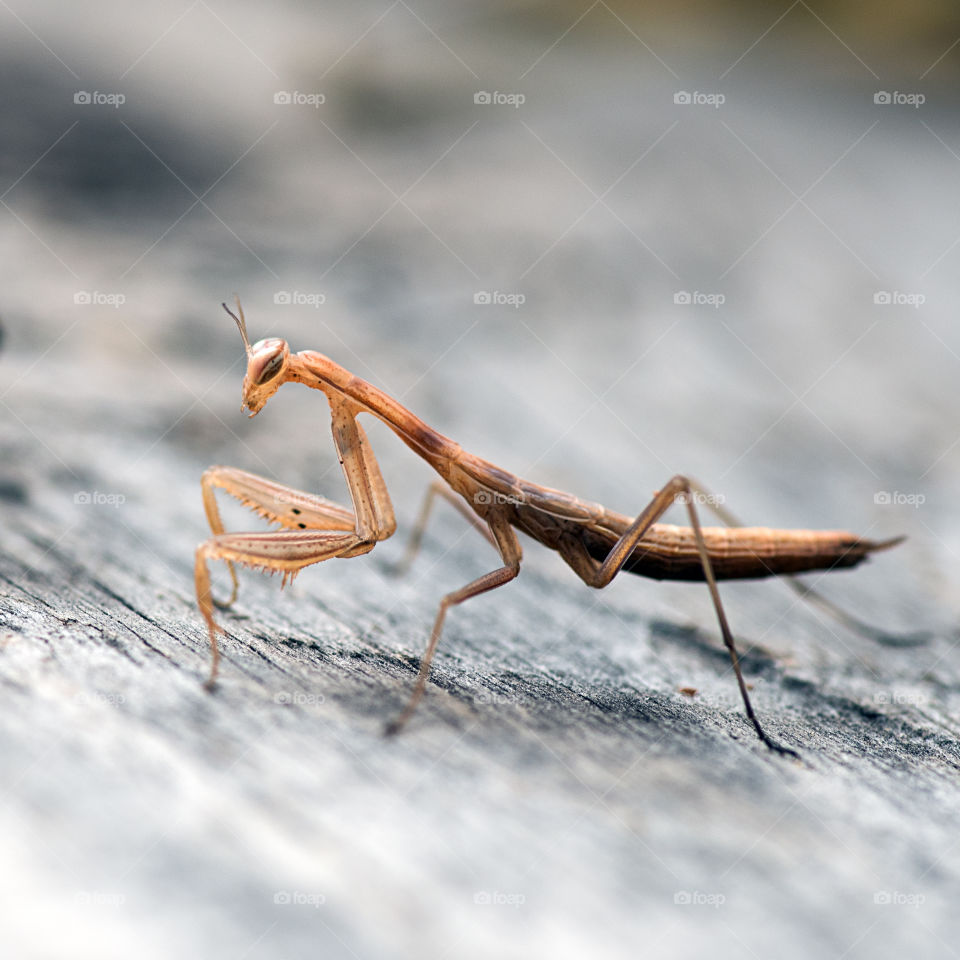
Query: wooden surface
point(557, 795)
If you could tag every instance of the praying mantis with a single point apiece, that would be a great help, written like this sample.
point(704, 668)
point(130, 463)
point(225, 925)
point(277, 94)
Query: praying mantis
point(595, 542)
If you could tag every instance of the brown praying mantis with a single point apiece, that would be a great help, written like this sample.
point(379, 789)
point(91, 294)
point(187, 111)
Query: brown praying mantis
point(596, 543)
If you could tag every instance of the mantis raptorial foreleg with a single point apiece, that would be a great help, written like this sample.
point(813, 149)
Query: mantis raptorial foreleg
point(288, 551)
point(275, 502)
point(321, 529)
point(596, 574)
point(511, 554)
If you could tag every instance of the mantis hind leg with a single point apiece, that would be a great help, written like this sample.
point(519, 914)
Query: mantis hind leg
point(597, 574)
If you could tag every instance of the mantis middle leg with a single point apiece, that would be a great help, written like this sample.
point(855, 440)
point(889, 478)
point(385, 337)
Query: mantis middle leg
point(437, 489)
point(511, 554)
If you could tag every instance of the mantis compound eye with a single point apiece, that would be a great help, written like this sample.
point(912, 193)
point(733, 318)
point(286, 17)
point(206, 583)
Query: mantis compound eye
point(266, 361)
point(270, 369)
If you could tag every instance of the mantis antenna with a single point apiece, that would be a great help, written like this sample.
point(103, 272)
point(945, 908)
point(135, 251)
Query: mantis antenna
point(241, 323)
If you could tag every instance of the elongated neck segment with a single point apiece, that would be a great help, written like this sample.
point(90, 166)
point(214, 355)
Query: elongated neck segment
point(319, 371)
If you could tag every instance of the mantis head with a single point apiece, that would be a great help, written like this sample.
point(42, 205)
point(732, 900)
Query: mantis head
point(266, 365)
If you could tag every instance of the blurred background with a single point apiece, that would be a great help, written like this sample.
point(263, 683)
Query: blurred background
point(687, 227)
point(596, 243)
